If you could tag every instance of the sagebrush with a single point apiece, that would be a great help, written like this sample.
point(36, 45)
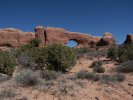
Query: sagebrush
point(7, 62)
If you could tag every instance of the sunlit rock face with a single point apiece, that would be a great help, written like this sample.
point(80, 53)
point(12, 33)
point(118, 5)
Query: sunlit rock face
point(50, 35)
point(11, 37)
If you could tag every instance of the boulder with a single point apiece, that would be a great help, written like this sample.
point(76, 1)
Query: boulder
point(107, 40)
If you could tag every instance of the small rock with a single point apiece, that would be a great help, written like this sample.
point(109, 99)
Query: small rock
point(96, 98)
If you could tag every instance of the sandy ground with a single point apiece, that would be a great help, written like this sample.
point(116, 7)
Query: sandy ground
point(78, 89)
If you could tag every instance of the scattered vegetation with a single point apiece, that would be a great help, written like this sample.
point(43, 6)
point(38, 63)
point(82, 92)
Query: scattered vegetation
point(26, 78)
point(125, 67)
point(97, 63)
point(7, 94)
point(49, 75)
point(99, 69)
point(112, 78)
point(97, 66)
point(7, 63)
point(103, 78)
point(4, 77)
point(54, 57)
point(60, 57)
point(121, 53)
point(86, 75)
point(89, 53)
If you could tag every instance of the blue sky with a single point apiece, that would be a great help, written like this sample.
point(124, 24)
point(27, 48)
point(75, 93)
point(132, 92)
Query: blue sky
point(87, 16)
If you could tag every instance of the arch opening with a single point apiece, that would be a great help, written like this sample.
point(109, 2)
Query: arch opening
point(72, 43)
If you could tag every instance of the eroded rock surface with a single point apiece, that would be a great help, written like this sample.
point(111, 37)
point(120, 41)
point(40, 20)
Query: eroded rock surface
point(11, 37)
point(107, 40)
point(49, 35)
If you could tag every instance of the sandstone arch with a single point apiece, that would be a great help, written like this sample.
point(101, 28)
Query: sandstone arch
point(59, 35)
point(72, 43)
point(11, 37)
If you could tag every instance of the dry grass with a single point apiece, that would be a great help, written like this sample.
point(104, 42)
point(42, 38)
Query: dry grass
point(103, 86)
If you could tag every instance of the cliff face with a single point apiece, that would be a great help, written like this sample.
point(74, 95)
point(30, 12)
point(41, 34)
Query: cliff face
point(11, 37)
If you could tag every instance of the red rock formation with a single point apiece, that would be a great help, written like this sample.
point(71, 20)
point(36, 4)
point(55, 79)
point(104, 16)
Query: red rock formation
point(107, 40)
point(13, 37)
point(129, 39)
point(49, 35)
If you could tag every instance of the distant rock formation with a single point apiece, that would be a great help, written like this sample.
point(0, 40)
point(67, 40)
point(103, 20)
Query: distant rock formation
point(129, 39)
point(49, 35)
point(11, 37)
point(107, 40)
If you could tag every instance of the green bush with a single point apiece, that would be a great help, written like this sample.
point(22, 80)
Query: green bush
point(7, 63)
point(113, 53)
point(35, 42)
point(121, 53)
point(26, 78)
point(31, 57)
point(60, 57)
point(125, 67)
point(54, 57)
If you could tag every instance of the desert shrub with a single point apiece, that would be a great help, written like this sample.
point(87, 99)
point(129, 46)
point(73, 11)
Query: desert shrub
point(121, 53)
point(26, 78)
point(112, 78)
point(89, 53)
point(60, 57)
point(54, 57)
point(97, 63)
point(82, 74)
point(86, 75)
point(7, 94)
point(7, 63)
point(35, 42)
point(113, 53)
point(49, 75)
point(125, 67)
point(100, 77)
point(4, 77)
point(99, 69)
point(97, 66)
point(31, 57)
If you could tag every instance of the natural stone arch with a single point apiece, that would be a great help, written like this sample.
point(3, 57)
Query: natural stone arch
point(72, 43)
